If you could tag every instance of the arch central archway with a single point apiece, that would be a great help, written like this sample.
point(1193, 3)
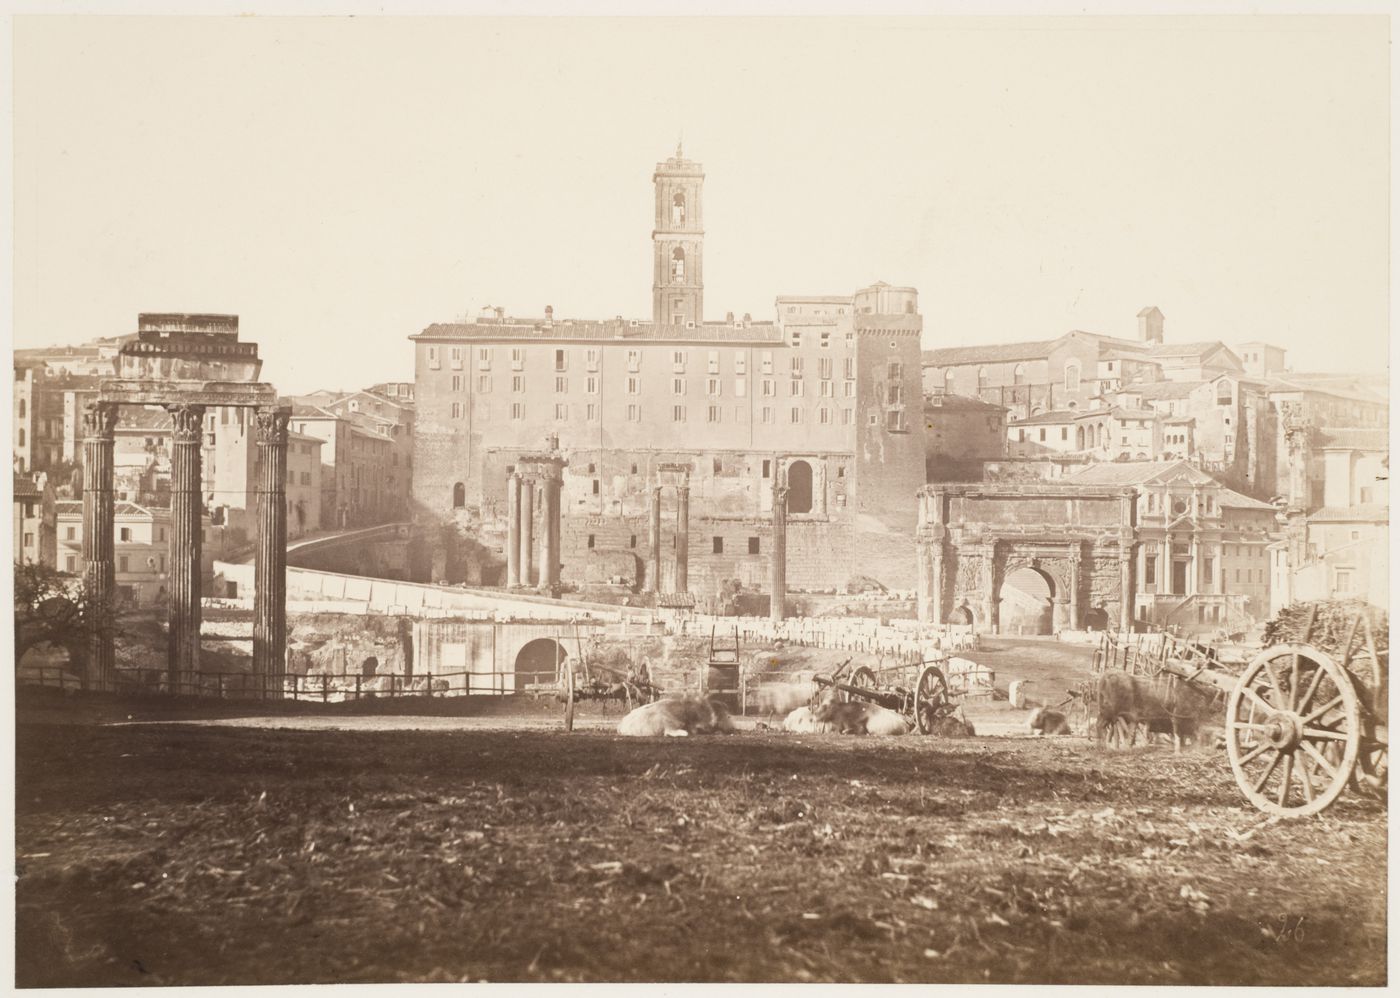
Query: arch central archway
point(1027, 607)
point(538, 661)
point(799, 480)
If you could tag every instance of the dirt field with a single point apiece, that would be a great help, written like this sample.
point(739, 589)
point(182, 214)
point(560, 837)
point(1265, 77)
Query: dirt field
point(182, 854)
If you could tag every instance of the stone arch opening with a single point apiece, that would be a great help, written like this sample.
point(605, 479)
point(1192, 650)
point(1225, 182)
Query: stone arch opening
point(962, 615)
point(678, 264)
point(459, 495)
point(1079, 438)
point(799, 480)
point(538, 661)
point(1027, 602)
point(678, 209)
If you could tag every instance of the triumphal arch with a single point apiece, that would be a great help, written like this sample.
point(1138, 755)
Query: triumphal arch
point(1079, 540)
point(188, 365)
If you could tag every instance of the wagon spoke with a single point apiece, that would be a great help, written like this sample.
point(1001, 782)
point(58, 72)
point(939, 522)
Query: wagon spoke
point(1268, 771)
point(1312, 688)
point(1319, 760)
point(1305, 777)
point(1328, 733)
point(1273, 679)
point(1255, 698)
point(1253, 725)
point(1331, 704)
point(1259, 750)
point(1293, 683)
point(1286, 783)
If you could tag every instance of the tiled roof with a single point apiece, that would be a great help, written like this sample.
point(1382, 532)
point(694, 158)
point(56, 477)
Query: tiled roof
point(1357, 438)
point(961, 402)
point(1162, 390)
point(1053, 416)
point(535, 329)
point(1133, 473)
point(1128, 412)
point(1369, 513)
point(25, 487)
point(1236, 500)
point(74, 507)
point(989, 353)
point(301, 411)
point(304, 437)
point(1200, 349)
point(1351, 389)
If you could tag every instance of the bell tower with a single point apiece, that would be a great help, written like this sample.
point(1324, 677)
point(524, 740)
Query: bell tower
point(678, 243)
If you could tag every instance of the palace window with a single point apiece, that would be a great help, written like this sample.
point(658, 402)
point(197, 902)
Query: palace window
point(797, 388)
point(678, 264)
point(483, 383)
point(561, 360)
point(712, 386)
point(766, 415)
point(678, 386)
point(765, 362)
point(678, 209)
point(634, 386)
point(517, 358)
point(796, 414)
point(796, 366)
point(678, 414)
point(740, 362)
point(483, 359)
point(561, 411)
point(713, 414)
point(456, 360)
point(770, 388)
point(517, 383)
point(591, 358)
point(634, 360)
point(592, 384)
point(678, 359)
point(517, 410)
point(634, 413)
point(712, 364)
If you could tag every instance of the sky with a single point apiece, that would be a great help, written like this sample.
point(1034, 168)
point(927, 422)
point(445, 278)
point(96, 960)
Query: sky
point(341, 183)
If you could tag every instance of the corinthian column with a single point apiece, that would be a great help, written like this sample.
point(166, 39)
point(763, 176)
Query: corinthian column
point(527, 530)
point(99, 556)
point(683, 539)
point(549, 538)
point(654, 566)
point(185, 541)
point(513, 530)
point(270, 567)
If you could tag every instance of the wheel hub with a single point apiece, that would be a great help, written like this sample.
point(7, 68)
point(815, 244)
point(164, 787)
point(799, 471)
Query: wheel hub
point(1284, 731)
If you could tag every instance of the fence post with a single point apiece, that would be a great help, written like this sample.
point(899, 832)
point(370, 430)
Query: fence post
point(430, 684)
point(325, 687)
point(220, 677)
point(357, 687)
point(295, 687)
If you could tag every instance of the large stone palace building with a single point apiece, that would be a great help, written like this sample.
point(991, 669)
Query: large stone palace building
point(825, 400)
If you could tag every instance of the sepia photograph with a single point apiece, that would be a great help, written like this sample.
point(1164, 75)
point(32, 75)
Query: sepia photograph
point(807, 498)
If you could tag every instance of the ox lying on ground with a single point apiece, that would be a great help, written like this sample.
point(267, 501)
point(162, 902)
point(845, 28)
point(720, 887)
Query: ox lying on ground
point(802, 722)
point(685, 716)
point(855, 718)
point(1165, 705)
point(1048, 722)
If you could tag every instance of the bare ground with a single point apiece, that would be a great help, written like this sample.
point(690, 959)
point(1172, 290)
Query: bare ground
point(184, 854)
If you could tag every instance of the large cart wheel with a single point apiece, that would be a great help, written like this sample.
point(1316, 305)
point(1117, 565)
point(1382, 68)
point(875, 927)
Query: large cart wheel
point(862, 677)
point(1372, 771)
point(930, 698)
point(567, 669)
point(1293, 730)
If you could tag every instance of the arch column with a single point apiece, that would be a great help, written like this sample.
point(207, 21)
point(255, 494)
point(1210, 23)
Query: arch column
point(186, 507)
point(1076, 558)
point(990, 611)
point(682, 538)
point(99, 555)
point(778, 559)
point(513, 530)
point(270, 567)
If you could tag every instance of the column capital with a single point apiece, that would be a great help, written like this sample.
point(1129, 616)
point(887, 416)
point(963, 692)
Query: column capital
point(271, 424)
point(100, 421)
point(188, 421)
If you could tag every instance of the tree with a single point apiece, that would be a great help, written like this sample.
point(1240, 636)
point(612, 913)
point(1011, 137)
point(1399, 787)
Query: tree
point(53, 607)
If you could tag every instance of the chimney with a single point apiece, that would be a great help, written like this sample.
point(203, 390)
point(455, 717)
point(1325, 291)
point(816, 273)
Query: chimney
point(729, 317)
point(747, 318)
point(1150, 322)
point(549, 313)
point(500, 313)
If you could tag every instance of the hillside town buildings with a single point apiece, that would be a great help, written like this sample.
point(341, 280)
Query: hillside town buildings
point(825, 399)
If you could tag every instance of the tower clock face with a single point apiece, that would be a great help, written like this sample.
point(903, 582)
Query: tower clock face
point(1178, 506)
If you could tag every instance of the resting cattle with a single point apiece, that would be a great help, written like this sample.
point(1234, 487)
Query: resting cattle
point(860, 718)
point(1166, 706)
point(802, 722)
point(687, 716)
point(1048, 722)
